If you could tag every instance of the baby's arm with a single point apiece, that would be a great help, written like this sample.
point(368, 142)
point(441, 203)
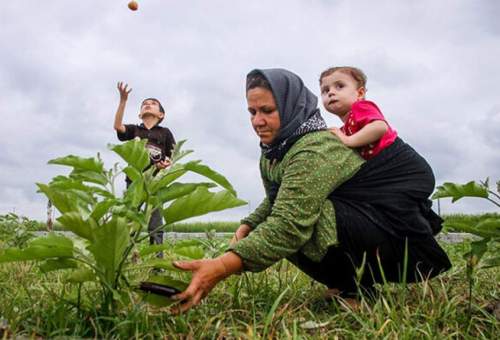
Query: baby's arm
point(370, 133)
point(121, 107)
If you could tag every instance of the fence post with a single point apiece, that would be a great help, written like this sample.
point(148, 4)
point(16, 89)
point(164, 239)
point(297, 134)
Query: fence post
point(49, 215)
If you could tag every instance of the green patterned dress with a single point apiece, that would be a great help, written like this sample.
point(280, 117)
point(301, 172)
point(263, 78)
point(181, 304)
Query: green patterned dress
point(302, 218)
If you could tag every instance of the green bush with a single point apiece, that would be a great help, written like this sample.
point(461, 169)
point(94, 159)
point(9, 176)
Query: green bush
point(105, 249)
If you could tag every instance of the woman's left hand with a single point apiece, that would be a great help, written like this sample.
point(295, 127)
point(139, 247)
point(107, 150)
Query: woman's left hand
point(206, 274)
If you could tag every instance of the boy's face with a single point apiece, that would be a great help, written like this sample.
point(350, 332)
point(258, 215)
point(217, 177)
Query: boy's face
point(339, 91)
point(151, 107)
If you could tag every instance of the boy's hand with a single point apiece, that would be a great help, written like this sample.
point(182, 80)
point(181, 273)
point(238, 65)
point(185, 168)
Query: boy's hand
point(124, 91)
point(163, 164)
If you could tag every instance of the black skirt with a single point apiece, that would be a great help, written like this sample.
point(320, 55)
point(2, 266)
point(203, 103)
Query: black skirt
point(392, 190)
point(384, 220)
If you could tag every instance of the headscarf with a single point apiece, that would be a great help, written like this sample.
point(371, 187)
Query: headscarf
point(297, 107)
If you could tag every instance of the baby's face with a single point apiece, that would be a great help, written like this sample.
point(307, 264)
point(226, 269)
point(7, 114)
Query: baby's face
point(150, 107)
point(339, 91)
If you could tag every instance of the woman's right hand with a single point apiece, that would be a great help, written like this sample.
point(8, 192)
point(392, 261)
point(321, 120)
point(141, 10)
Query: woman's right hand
point(206, 273)
point(124, 91)
point(242, 232)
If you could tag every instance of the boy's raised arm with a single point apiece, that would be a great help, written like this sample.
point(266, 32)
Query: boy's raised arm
point(122, 88)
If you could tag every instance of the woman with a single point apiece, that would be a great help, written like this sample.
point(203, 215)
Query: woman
point(325, 210)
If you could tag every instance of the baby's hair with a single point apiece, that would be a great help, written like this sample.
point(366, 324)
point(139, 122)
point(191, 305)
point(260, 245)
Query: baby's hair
point(358, 75)
point(257, 79)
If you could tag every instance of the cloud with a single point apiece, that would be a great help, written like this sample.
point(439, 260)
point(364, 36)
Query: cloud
point(433, 75)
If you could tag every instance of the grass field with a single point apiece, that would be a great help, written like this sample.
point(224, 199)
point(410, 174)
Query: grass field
point(224, 226)
point(280, 302)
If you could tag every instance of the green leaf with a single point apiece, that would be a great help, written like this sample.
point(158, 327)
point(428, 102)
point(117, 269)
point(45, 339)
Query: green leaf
point(110, 242)
point(165, 177)
point(479, 247)
point(65, 183)
point(134, 153)
point(57, 264)
point(40, 248)
point(489, 227)
point(135, 193)
point(177, 190)
point(74, 222)
point(81, 275)
point(200, 202)
point(60, 200)
point(101, 192)
point(458, 191)
point(86, 164)
point(209, 173)
point(177, 153)
point(153, 248)
point(155, 263)
point(132, 173)
point(191, 251)
point(102, 208)
point(89, 176)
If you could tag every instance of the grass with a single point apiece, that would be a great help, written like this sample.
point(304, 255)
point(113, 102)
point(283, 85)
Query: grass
point(201, 227)
point(276, 303)
point(471, 219)
point(280, 302)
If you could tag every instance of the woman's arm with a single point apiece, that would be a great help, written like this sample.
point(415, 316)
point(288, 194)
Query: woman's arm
point(259, 215)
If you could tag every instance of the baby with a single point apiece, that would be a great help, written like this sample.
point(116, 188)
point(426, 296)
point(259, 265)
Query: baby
point(343, 92)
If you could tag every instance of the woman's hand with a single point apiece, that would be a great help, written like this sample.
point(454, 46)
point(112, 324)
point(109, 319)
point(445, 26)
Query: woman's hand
point(206, 274)
point(242, 232)
point(123, 91)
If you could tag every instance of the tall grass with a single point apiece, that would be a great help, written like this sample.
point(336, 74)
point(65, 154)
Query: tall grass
point(231, 226)
point(470, 219)
point(201, 227)
point(276, 303)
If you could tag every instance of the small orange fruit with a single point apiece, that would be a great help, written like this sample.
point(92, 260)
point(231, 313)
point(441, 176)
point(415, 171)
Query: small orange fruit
point(133, 5)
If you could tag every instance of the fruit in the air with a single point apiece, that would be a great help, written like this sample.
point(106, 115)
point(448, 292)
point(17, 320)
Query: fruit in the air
point(133, 5)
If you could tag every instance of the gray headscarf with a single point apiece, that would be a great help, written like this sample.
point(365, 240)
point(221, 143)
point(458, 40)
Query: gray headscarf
point(298, 110)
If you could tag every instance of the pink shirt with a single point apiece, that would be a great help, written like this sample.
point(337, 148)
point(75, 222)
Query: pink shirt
point(362, 113)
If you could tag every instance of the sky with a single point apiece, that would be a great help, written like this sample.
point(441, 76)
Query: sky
point(433, 69)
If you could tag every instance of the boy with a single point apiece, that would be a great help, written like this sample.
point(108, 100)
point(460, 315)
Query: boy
point(160, 143)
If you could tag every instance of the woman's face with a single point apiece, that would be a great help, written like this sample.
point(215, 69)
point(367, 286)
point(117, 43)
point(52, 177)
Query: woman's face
point(264, 114)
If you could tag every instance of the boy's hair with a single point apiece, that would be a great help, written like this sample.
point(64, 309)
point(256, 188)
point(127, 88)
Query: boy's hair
point(257, 79)
point(162, 110)
point(354, 72)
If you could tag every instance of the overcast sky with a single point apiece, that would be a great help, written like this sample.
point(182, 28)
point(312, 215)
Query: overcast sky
point(433, 68)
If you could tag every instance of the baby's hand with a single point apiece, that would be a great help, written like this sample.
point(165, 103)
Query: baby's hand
point(342, 136)
point(123, 91)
